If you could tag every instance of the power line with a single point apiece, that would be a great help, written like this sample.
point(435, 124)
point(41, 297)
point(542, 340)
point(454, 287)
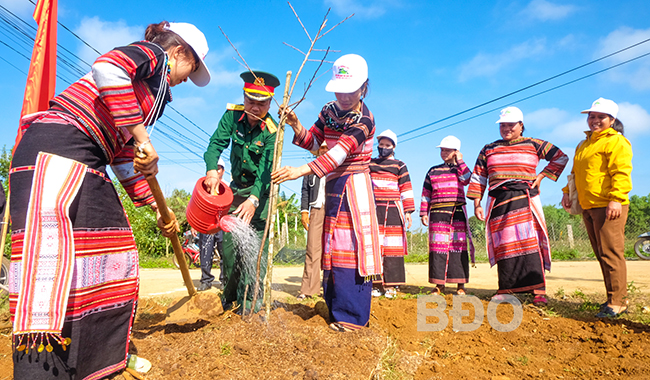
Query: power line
point(531, 96)
point(523, 88)
point(67, 64)
point(73, 33)
point(12, 65)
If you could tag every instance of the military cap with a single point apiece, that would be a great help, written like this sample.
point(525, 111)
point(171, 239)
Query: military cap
point(259, 85)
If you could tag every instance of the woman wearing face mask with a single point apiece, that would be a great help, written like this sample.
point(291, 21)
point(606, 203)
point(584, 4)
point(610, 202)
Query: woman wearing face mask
point(351, 250)
point(443, 210)
point(516, 236)
point(602, 167)
point(391, 184)
point(75, 321)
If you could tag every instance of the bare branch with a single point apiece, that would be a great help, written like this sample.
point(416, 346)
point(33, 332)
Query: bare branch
point(331, 51)
point(295, 48)
point(243, 60)
point(344, 20)
point(300, 21)
point(311, 81)
point(319, 60)
point(311, 47)
point(236, 60)
point(236, 51)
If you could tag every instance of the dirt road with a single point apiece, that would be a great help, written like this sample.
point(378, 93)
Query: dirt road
point(566, 275)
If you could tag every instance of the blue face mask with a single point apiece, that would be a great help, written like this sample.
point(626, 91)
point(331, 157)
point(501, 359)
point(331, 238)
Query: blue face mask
point(384, 152)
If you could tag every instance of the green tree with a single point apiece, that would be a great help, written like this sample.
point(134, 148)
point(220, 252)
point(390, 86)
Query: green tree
point(477, 227)
point(5, 160)
point(178, 203)
point(148, 238)
point(638, 217)
point(288, 207)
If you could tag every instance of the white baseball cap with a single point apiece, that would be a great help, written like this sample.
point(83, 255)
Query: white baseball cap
point(511, 115)
point(389, 135)
point(349, 73)
point(450, 142)
point(604, 106)
point(196, 39)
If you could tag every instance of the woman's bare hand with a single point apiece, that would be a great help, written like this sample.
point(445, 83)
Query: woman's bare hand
point(145, 160)
point(286, 173)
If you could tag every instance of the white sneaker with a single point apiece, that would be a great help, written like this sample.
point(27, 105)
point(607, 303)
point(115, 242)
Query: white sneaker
point(376, 293)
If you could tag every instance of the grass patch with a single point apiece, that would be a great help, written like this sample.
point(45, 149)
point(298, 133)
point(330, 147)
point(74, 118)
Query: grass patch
point(387, 367)
point(156, 262)
point(226, 349)
point(4, 305)
point(579, 305)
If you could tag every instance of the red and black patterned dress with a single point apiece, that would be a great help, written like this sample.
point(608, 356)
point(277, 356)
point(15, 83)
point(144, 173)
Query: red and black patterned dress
point(443, 201)
point(351, 250)
point(83, 311)
point(516, 236)
point(394, 198)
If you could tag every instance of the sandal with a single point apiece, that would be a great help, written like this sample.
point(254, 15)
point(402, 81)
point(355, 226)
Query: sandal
point(461, 292)
point(138, 364)
point(608, 312)
point(438, 291)
point(540, 300)
point(339, 327)
point(500, 297)
point(301, 297)
point(390, 293)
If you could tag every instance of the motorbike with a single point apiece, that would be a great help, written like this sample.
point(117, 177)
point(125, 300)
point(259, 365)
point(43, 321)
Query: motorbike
point(642, 246)
point(192, 253)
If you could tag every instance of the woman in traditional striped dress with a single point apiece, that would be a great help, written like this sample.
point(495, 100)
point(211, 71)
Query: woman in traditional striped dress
point(394, 198)
point(351, 250)
point(516, 236)
point(74, 270)
point(443, 210)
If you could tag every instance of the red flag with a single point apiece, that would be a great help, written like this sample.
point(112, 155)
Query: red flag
point(42, 69)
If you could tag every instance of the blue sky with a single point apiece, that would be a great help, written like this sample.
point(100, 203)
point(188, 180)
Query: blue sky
point(427, 60)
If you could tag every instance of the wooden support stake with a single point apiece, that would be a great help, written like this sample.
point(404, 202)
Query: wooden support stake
point(273, 206)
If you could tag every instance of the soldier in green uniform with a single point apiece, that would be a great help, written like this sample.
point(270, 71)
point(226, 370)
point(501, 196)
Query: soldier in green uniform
point(252, 132)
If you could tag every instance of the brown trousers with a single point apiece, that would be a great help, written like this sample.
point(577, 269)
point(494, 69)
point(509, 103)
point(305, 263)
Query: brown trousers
point(311, 275)
point(608, 242)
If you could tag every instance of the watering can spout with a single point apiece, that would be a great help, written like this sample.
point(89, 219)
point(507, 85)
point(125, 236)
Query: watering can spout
point(204, 209)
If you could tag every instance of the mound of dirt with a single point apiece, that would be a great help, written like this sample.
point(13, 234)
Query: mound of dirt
point(297, 344)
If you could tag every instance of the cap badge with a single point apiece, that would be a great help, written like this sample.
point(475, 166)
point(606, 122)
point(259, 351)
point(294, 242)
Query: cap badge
point(259, 81)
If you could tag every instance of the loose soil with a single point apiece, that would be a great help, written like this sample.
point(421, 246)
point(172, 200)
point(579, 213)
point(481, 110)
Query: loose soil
point(297, 344)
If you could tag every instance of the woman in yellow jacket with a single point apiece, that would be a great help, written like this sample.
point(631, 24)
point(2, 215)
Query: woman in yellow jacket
point(603, 176)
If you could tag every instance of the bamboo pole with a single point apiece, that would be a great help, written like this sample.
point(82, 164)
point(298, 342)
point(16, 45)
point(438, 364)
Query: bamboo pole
point(176, 244)
point(270, 220)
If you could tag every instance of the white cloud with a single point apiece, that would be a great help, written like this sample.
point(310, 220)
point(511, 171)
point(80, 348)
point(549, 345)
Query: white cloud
point(556, 125)
point(635, 74)
point(543, 10)
point(484, 64)
point(361, 8)
point(561, 127)
point(635, 119)
point(105, 35)
point(19, 7)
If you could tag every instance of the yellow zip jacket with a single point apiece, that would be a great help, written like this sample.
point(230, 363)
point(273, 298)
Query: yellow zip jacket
point(603, 169)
